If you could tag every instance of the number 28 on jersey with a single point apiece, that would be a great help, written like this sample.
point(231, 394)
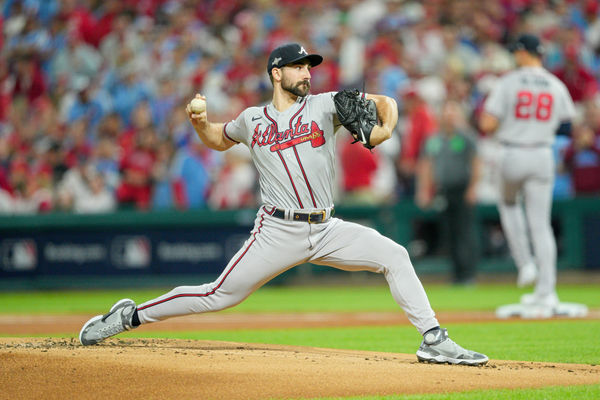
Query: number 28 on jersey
point(533, 105)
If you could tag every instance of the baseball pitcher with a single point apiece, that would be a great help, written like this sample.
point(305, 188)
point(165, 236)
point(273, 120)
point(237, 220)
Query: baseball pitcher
point(292, 143)
point(525, 110)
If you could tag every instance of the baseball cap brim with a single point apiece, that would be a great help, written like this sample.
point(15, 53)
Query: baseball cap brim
point(291, 53)
point(313, 59)
point(519, 46)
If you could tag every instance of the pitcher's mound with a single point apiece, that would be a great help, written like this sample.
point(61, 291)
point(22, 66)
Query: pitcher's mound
point(163, 369)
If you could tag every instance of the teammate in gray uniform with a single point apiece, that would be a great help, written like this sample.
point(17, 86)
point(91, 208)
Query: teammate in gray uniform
point(292, 143)
point(525, 109)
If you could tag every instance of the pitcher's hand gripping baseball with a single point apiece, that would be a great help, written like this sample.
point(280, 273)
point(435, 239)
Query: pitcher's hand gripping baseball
point(357, 114)
point(196, 110)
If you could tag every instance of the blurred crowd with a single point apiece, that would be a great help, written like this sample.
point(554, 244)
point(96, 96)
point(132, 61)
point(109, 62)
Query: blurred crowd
point(93, 92)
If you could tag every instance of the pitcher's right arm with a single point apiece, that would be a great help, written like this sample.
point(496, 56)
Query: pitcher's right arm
point(212, 134)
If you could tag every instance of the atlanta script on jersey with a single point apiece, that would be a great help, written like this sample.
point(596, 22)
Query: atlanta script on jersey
point(283, 144)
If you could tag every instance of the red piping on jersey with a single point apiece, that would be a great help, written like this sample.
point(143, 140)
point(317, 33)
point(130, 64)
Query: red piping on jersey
point(298, 157)
point(226, 135)
point(305, 177)
point(270, 212)
point(297, 112)
point(260, 224)
point(290, 176)
point(270, 119)
point(282, 160)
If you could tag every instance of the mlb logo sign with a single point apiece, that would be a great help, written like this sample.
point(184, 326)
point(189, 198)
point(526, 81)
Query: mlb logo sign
point(132, 252)
point(19, 255)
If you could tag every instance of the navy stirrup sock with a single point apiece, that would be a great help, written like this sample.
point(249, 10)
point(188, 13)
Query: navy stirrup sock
point(135, 319)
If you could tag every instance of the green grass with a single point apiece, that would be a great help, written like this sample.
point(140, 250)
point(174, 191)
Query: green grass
point(296, 299)
point(550, 341)
point(556, 340)
point(549, 393)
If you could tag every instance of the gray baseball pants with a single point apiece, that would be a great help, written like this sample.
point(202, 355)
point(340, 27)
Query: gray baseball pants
point(276, 245)
point(527, 179)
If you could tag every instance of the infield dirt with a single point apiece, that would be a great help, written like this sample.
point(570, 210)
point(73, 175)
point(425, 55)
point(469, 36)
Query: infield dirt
point(51, 368)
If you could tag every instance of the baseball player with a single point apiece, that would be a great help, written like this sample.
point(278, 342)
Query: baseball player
point(292, 143)
point(526, 109)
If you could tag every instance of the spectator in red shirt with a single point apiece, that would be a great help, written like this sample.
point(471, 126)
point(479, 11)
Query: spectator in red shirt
point(5, 88)
point(18, 173)
point(81, 18)
point(109, 10)
point(29, 79)
point(137, 167)
point(28, 192)
point(582, 158)
point(141, 119)
point(77, 148)
point(239, 70)
point(386, 45)
point(326, 78)
point(579, 81)
point(359, 167)
point(420, 124)
point(4, 183)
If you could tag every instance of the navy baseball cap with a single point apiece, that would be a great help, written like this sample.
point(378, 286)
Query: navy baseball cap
point(291, 53)
point(529, 43)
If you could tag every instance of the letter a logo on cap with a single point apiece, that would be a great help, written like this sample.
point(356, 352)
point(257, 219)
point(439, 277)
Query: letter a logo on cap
point(302, 51)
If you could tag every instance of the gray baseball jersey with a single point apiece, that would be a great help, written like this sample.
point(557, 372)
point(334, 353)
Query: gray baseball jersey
point(529, 103)
point(294, 153)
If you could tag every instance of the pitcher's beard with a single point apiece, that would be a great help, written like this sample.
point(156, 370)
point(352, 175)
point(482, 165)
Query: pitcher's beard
point(300, 89)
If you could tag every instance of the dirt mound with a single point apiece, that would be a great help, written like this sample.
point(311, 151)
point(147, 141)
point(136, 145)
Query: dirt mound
point(159, 369)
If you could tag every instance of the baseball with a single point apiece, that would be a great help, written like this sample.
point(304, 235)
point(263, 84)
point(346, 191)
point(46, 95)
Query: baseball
point(197, 106)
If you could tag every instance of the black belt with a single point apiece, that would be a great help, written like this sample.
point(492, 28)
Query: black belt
point(312, 218)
